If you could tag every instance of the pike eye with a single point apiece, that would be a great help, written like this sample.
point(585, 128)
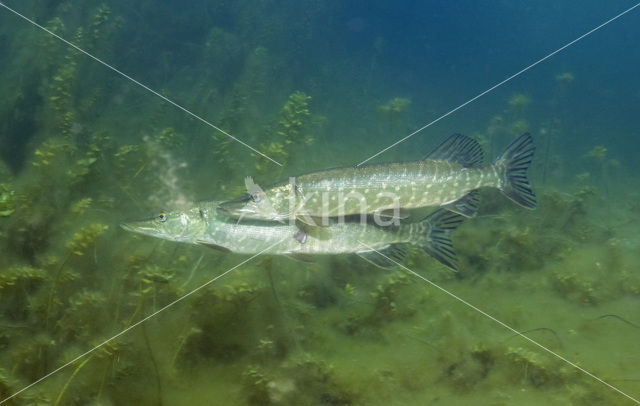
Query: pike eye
point(255, 196)
point(162, 216)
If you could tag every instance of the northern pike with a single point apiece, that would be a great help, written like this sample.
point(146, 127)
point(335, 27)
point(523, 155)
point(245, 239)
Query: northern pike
point(449, 176)
point(203, 225)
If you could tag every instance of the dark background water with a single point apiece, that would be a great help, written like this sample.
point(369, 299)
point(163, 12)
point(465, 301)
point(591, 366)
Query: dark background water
point(352, 57)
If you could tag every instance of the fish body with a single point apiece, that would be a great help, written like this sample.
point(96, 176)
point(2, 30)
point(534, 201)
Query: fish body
point(203, 225)
point(449, 177)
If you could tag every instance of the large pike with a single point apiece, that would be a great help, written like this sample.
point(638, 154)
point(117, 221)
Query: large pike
point(449, 176)
point(204, 226)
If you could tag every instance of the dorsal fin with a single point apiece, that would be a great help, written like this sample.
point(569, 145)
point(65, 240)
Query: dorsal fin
point(459, 148)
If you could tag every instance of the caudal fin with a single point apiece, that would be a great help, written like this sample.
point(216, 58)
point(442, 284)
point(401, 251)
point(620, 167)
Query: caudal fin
point(513, 165)
point(436, 239)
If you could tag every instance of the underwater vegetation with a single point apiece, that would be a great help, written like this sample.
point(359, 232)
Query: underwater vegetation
point(519, 101)
point(393, 113)
point(292, 134)
point(91, 152)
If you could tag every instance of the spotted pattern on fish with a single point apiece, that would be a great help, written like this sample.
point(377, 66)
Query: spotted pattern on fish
point(373, 188)
point(204, 225)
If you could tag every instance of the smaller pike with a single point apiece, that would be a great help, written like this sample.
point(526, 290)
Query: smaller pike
point(204, 226)
point(449, 177)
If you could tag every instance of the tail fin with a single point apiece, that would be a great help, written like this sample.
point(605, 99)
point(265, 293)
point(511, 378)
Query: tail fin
point(513, 165)
point(436, 241)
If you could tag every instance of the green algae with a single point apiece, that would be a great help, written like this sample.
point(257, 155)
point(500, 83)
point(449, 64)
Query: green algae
point(276, 361)
point(7, 202)
point(292, 133)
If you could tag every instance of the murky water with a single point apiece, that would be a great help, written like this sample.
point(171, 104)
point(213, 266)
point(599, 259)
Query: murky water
point(314, 85)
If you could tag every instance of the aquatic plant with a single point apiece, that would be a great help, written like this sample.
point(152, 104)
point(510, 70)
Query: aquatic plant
point(518, 102)
point(21, 274)
point(385, 298)
point(60, 99)
point(81, 169)
point(49, 153)
point(569, 213)
point(291, 133)
point(565, 78)
point(223, 332)
point(256, 383)
point(67, 99)
point(547, 135)
point(102, 26)
point(293, 117)
point(123, 156)
point(7, 200)
point(68, 282)
point(466, 372)
point(134, 162)
point(575, 286)
point(393, 113)
point(629, 282)
point(81, 206)
point(533, 368)
point(50, 47)
point(494, 132)
point(299, 380)
point(84, 315)
point(394, 107)
point(599, 154)
point(519, 126)
point(169, 138)
point(86, 238)
point(246, 90)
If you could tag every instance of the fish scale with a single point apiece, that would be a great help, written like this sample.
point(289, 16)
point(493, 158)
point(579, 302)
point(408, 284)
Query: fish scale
point(414, 184)
point(448, 176)
point(204, 225)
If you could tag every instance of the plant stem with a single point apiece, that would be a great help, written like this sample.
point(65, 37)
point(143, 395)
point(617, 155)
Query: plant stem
point(73, 375)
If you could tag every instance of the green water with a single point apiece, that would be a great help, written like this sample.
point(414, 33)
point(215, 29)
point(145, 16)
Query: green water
point(83, 149)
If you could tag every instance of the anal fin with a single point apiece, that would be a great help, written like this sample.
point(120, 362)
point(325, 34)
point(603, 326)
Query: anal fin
point(467, 205)
point(436, 240)
point(385, 258)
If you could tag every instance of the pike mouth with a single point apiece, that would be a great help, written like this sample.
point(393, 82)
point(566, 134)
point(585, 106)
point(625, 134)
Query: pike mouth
point(139, 228)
